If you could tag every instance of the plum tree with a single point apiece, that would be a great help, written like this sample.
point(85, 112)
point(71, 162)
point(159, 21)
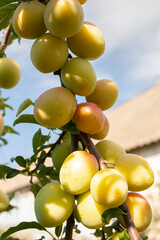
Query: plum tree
point(104, 94)
point(55, 107)
point(71, 176)
point(79, 76)
point(49, 53)
point(109, 188)
point(88, 211)
point(10, 73)
point(88, 118)
point(4, 201)
point(53, 205)
point(110, 150)
point(137, 171)
point(1, 124)
point(63, 18)
point(28, 20)
point(140, 211)
point(88, 42)
point(103, 133)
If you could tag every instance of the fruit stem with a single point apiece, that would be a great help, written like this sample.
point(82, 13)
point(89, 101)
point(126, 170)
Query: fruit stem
point(70, 220)
point(132, 231)
point(5, 39)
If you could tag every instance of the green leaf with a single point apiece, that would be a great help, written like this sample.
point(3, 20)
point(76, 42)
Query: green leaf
point(12, 173)
point(24, 105)
point(4, 170)
point(8, 129)
point(123, 235)
point(111, 213)
point(58, 230)
point(6, 2)
point(4, 105)
point(144, 237)
point(70, 127)
point(21, 161)
point(6, 13)
point(3, 140)
point(23, 226)
point(25, 118)
point(39, 140)
point(35, 188)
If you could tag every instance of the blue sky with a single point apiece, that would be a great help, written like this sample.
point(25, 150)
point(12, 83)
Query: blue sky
point(132, 59)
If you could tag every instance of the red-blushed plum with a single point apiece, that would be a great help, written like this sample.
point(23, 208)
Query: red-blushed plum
point(53, 205)
point(89, 118)
point(55, 107)
point(88, 43)
point(77, 171)
point(103, 133)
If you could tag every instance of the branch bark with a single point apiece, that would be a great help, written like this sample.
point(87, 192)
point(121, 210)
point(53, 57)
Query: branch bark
point(6, 38)
point(132, 231)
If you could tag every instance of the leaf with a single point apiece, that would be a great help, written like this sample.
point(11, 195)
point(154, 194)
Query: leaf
point(6, 13)
point(70, 127)
point(58, 230)
point(12, 173)
point(35, 188)
point(3, 171)
point(111, 213)
point(3, 140)
point(8, 129)
point(21, 161)
point(23, 226)
point(4, 105)
point(6, 2)
point(123, 235)
point(24, 105)
point(39, 140)
point(25, 118)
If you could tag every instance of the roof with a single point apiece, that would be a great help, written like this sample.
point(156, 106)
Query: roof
point(136, 123)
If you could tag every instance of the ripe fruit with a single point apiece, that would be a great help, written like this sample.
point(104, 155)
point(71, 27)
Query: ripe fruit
point(110, 150)
point(49, 53)
point(10, 73)
point(136, 170)
point(88, 118)
point(53, 205)
point(1, 124)
point(109, 188)
point(60, 152)
point(140, 211)
point(79, 76)
point(77, 171)
point(28, 20)
point(88, 211)
point(55, 107)
point(103, 133)
point(82, 1)
point(63, 18)
point(4, 201)
point(104, 94)
point(88, 43)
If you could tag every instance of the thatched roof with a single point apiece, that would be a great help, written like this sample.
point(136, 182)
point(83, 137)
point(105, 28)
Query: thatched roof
point(136, 123)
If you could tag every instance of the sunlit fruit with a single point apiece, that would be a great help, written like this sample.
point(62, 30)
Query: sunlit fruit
point(77, 171)
point(1, 124)
point(88, 211)
point(140, 211)
point(10, 73)
point(28, 20)
point(55, 107)
point(53, 205)
point(137, 171)
point(79, 76)
point(104, 94)
point(89, 118)
point(49, 53)
point(88, 43)
point(4, 201)
point(110, 151)
point(63, 18)
point(109, 188)
point(103, 133)
point(60, 152)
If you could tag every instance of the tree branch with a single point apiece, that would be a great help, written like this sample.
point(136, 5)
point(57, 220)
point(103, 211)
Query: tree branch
point(49, 152)
point(132, 231)
point(6, 38)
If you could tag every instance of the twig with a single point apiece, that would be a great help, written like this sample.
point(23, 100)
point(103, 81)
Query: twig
point(70, 221)
point(132, 231)
point(49, 152)
point(6, 38)
point(103, 235)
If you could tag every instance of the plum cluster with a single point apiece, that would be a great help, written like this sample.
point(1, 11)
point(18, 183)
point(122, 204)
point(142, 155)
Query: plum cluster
point(58, 27)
